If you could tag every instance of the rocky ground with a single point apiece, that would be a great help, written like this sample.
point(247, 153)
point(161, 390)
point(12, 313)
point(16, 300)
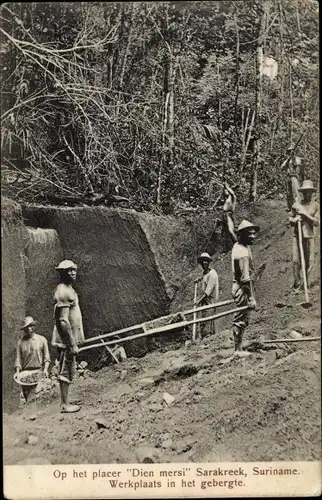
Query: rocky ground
point(183, 403)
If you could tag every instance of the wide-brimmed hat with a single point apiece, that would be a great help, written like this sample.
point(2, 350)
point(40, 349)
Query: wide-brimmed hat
point(307, 186)
point(29, 320)
point(66, 264)
point(245, 224)
point(204, 256)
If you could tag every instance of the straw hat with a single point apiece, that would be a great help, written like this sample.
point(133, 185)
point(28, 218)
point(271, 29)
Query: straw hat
point(307, 186)
point(29, 320)
point(66, 264)
point(246, 225)
point(204, 256)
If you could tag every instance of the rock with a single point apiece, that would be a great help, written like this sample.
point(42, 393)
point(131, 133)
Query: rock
point(83, 364)
point(295, 335)
point(187, 343)
point(31, 439)
point(146, 455)
point(32, 417)
point(166, 444)
point(34, 461)
point(101, 424)
point(146, 382)
point(123, 374)
point(168, 398)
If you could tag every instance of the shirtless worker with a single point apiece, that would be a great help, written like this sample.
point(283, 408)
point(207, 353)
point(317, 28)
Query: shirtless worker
point(294, 175)
point(228, 228)
point(307, 211)
point(210, 287)
point(32, 354)
point(68, 330)
point(243, 275)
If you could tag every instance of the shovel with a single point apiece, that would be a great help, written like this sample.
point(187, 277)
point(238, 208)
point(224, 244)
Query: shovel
point(307, 304)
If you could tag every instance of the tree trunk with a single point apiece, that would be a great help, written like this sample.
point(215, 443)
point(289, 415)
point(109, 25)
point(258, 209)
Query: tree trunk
point(258, 105)
point(237, 73)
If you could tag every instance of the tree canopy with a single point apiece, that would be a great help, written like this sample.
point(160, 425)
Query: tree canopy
point(167, 99)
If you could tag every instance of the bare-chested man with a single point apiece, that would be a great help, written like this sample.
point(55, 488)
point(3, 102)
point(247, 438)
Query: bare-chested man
point(307, 211)
point(210, 293)
point(243, 276)
point(228, 229)
point(68, 330)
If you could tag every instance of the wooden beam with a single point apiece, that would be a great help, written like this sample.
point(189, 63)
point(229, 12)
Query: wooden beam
point(167, 328)
point(140, 325)
point(279, 341)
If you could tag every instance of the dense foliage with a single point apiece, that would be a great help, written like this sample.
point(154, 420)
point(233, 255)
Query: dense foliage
point(167, 99)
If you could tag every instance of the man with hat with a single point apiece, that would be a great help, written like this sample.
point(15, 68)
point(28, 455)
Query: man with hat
point(68, 330)
point(307, 212)
point(210, 288)
point(32, 354)
point(242, 289)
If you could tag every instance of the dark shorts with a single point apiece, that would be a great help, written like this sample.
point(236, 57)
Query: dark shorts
point(67, 365)
point(241, 318)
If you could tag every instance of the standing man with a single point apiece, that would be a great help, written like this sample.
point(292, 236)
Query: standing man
point(68, 330)
point(210, 287)
point(307, 212)
point(32, 354)
point(228, 228)
point(243, 274)
point(295, 174)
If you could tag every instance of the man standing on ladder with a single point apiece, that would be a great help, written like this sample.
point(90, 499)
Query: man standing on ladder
point(228, 229)
point(307, 212)
point(210, 289)
point(243, 275)
point(68, 330)
point(295, 175)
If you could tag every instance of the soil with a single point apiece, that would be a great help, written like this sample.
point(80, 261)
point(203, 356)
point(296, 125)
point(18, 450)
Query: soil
point(260, 408)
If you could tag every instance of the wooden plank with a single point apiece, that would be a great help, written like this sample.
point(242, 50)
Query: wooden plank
point(279, 341)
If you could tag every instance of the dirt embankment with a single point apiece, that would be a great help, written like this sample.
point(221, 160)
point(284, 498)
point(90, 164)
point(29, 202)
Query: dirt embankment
point(266, 407)
point(127, 274)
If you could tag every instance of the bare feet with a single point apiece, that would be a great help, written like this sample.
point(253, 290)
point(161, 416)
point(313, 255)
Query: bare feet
point(242, 354)
point(70, 408)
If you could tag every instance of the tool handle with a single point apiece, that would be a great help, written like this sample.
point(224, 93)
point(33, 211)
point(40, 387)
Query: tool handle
point(299, 226)
point(194, 326)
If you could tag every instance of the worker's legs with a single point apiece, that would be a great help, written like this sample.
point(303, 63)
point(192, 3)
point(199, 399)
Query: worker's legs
point(296, 263)
point(67, 370)
point(27, 392)
point(311, 258)
point(241, 318)
point(64, 390)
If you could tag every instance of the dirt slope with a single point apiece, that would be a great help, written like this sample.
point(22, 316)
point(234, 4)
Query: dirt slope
point(266, 407)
